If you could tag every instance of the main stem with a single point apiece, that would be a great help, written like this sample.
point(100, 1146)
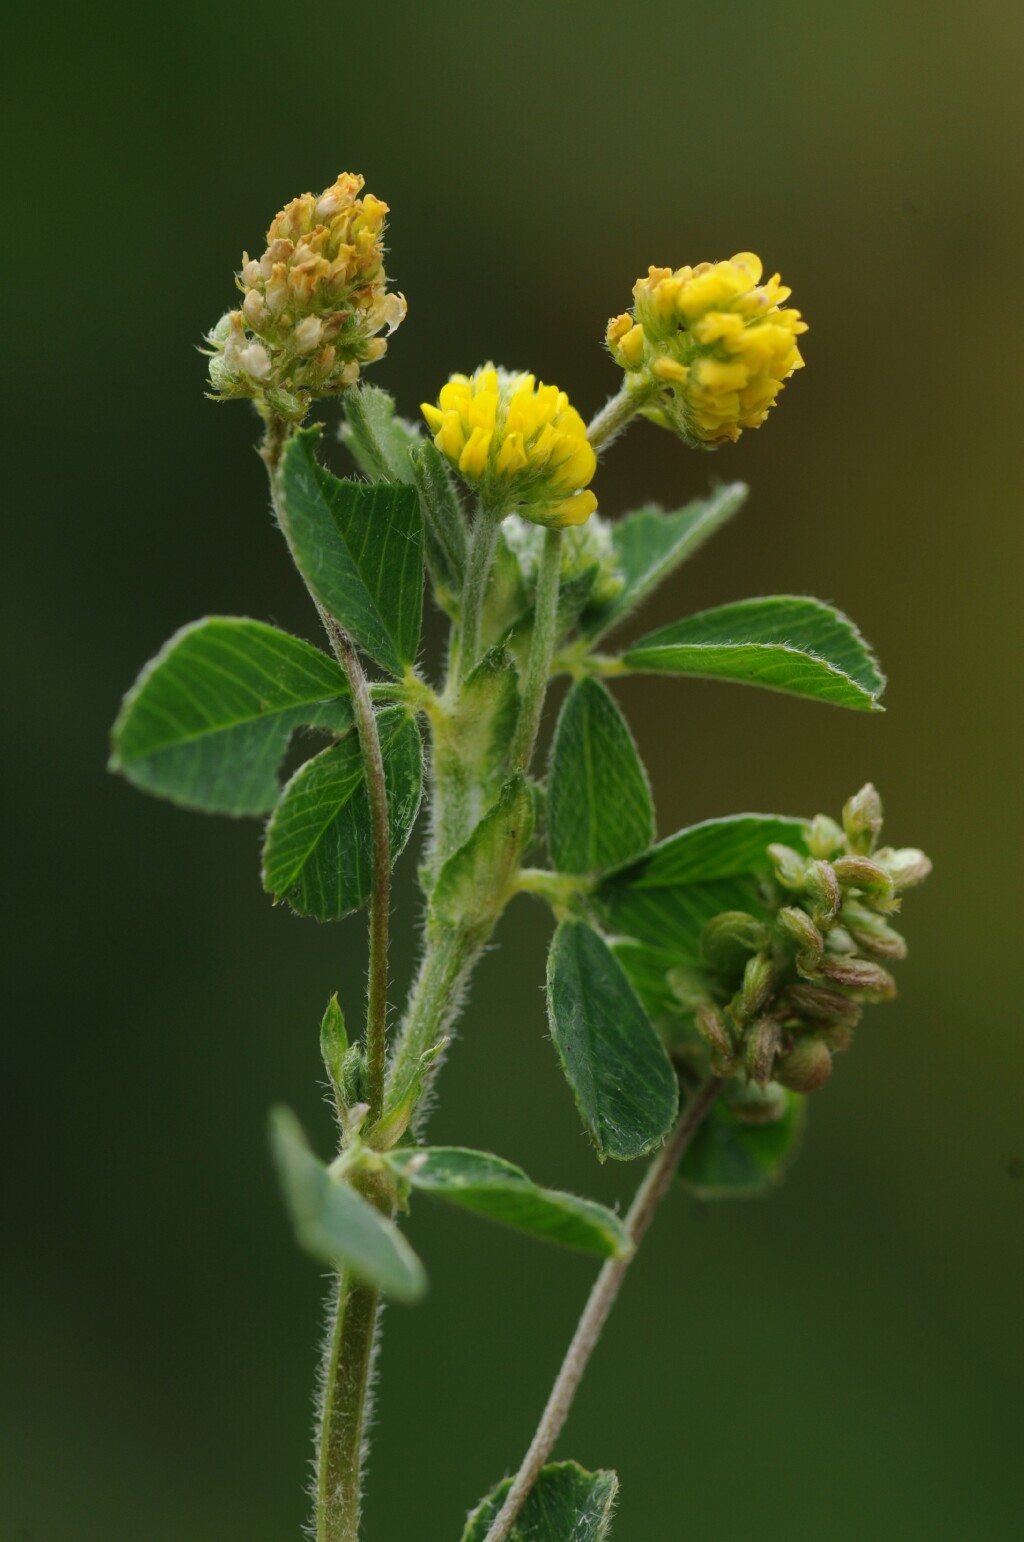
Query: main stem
point(602, 1298)
point(348, 1367)
point(380, 893)
point(348, 1361)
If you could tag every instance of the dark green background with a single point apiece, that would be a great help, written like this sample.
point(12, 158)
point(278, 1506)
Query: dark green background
point(841, 1362)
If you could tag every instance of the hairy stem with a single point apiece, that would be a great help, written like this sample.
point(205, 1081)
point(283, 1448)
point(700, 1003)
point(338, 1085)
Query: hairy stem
point(380, 893)
point(433, 1006)
point(602, 1298)
point(605, 425)
point(542, 648)
point(482, 540)
point(344, 1411)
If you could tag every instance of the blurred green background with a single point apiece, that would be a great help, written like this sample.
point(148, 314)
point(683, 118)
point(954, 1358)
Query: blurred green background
point(842, 1361)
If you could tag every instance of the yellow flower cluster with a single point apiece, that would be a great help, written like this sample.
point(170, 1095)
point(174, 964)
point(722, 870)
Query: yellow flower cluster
point(521, 444)
point(313, 304)
point(711, 345)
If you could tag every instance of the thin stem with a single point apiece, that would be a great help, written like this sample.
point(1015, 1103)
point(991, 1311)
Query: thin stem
point(482, 540)
point(380, 893)
point(602, 1298)
point(542, 648)
point(616, 413)
point(344, 1411)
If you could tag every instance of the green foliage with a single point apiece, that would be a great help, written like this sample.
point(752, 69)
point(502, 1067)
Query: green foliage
point(208, 721)
point(472, 886)
point(318, 849)
point(495, 1189)
point(735, 1157)
point(785, 643)
point(649, 546)
point(665, 898)
point(360, 548)
point(566, 1504)
point(334, 1224)
point(444, 524)
point(599, 804)
point(380, 443)
point(622, 1079)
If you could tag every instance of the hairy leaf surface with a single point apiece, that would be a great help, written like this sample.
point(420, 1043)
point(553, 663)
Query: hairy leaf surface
point(732, 1158)
point(318, 852)
point(209, 719)
point(496, 1189)
point(334, 1224)
point(599, 803)
point(360, 548)
point(566, 1504)
point(785, 643)
point(615, 1063)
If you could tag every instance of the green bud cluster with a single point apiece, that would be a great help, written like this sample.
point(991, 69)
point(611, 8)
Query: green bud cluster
point(786, 993)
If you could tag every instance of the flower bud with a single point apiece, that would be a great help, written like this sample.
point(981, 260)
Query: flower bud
point(822, 1005)
point(762, 1044)
point(711, 1026)
point(871, 981)
point(869, 877)
point(871, 933)
point(710, 346)
point(797, 926)
point(728, 940)
point(906, 867)
point(824, 837)
point(790, 867)
point(807, 1066)
point(352, 1081)
point(823, 893)
point(759, 978)
point(862, 820)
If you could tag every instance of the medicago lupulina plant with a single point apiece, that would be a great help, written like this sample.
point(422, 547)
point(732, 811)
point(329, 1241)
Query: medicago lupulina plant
point(700, 985)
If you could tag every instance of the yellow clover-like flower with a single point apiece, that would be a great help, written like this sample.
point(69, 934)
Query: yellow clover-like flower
point(313, 304)
point(710, 345)
point(519, 443)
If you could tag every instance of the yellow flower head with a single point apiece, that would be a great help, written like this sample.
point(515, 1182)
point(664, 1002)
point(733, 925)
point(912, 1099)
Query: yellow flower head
point(313, 304)
point(521, 444)
point(711, 345)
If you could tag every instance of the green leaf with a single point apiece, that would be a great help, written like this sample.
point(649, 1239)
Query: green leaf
point(599, 804)
point(360, 548)
point(622, 1079)
point(566, 1504)
point(650, 545)
point(785, 643)
point(207, 722)
point(444, 525)
point(472, 886)
point(495, 1189)
point(334, 1224)
point(733, 1158)
point(380, 443)
point(665, 898)
point(318, 853)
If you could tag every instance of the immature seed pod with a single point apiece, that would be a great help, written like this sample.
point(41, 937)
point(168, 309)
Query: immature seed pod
point(807, 1066)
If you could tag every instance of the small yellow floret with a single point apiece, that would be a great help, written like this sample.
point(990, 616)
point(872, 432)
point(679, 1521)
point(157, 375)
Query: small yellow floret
point(521, 443)
point(714, 344)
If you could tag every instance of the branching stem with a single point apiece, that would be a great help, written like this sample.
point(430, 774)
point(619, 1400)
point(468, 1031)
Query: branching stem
point(605, 425)
point(602, 1298)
